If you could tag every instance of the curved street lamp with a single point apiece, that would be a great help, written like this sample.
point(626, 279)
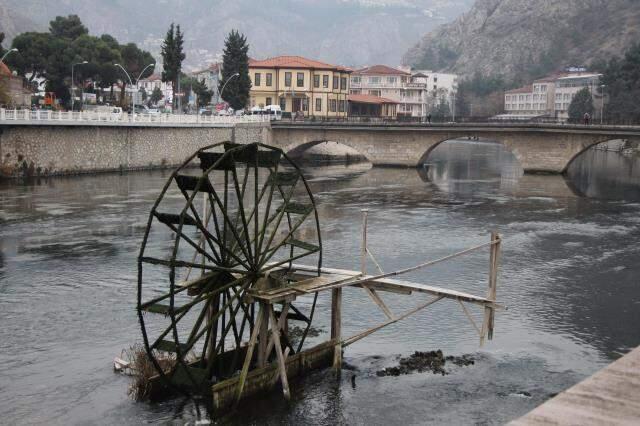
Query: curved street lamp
point(7, 54)
point(125, 88)
point(73, 97)
point(226, 82)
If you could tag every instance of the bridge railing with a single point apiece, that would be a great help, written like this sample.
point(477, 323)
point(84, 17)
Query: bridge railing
point(79, 117)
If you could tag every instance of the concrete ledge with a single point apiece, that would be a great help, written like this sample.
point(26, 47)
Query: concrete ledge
point(611, 396)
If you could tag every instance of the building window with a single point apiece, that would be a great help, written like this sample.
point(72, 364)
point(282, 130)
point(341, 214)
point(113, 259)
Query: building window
point(341, 107)
point(300, 79)
point(374, 80)
point(316, 81)
point(355, 91)
point(325, 81)
point(343, 83)
point(332, 105)
point(305, 105)
point(435, 79)
point(374, 92)
point(392, 80)
point(268, 101)
point(256, 79)
point(335, 82)
point(283, 104)
point(318, 104)
point(355, 80)
point(269, 79)
point(287, 79)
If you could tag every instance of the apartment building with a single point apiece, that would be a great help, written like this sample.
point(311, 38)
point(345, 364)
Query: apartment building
point(299, 84)
point(551, 96)
point(155, 81)
point(211, 77)
point(415, 92)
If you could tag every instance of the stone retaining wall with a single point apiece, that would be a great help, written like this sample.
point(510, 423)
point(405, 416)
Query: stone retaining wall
point(58, 150)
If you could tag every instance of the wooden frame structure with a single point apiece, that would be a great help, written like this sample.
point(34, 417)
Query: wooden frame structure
point(229, 393)
point(225, 333)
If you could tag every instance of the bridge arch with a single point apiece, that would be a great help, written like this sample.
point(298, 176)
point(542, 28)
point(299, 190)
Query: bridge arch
point(470, 138)
point(298, 148)
point(587, 146)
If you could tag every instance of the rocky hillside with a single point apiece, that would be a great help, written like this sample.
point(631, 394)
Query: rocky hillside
point(349, 32)
point(524, 38)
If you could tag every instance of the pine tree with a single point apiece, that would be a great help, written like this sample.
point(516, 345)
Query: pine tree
point(581, 104)
point(235, 60)
point(172, 57)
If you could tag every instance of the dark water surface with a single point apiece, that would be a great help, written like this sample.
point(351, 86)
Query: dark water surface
point(569, 276)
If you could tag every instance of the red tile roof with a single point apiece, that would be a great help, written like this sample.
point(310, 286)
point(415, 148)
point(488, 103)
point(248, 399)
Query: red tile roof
point(381, 70)
point(295, 62)
point(525, 89)
point(370, 99)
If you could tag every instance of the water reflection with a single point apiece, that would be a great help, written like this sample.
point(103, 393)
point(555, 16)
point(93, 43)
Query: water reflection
point(602, 174)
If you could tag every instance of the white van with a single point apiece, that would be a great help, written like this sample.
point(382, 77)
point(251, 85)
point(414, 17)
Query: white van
point(274, 111)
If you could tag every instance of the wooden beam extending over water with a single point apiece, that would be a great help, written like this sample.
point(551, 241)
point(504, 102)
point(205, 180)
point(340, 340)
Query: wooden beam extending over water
point(611, 396)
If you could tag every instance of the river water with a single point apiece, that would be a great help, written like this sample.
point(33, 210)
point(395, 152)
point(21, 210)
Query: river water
point(569, 277)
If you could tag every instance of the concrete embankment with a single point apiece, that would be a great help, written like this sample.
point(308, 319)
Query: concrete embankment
point(64, 150)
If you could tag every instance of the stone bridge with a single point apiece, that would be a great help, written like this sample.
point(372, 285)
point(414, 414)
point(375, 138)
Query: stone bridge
point(544, 148)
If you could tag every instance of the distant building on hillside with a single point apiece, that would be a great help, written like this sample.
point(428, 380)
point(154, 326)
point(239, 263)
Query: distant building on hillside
point(416, 93)
point(299, 84)
point(551, 96)
point(211, 77)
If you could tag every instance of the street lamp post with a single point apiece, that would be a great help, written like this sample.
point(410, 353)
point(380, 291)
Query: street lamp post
point(7, 54)
point(226, 82)
point(73, 97)
point(125, 89)
point(602, 86)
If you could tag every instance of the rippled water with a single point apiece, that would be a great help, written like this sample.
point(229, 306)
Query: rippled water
point(569, 276)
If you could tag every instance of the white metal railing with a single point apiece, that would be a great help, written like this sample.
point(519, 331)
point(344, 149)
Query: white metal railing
point(26, 115)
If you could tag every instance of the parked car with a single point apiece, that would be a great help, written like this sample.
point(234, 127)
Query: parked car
point(205, 111)
point(141, 109)
point(274, 111)
point(153, 111)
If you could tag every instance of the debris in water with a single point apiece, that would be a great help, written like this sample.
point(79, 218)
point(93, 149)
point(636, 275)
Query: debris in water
point(433, 361)
point(296, 333)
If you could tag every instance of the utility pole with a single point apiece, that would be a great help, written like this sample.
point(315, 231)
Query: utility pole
point(73, 96)
point(602, 86)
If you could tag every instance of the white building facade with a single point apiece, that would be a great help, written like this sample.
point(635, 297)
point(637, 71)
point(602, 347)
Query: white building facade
point(416, 92)
point(155, 81)
point(550, 97)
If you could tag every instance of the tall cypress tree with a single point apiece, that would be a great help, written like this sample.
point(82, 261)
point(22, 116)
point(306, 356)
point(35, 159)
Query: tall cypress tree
point(172, 57)
point(235, 60)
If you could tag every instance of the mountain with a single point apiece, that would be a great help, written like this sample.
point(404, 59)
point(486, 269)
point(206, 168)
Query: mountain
point(349, 32)
point(524, 38)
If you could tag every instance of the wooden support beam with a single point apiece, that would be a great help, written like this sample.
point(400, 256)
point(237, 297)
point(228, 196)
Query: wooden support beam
point(280, 326)
point(468, 314)
point(336, 325)
point(247, 359)
point(263, 334)
point(378, 301)
point(353, 339)
point(275, 333)
point(489, 311)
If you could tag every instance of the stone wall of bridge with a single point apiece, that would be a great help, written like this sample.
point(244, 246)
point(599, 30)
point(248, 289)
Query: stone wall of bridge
point(59, 150)
point(537, 149)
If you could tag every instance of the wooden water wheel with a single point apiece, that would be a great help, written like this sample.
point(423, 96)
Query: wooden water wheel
point(232, 224)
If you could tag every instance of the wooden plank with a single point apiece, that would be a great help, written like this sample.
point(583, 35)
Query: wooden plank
point(391, 283)
point(263, 336)
point(610, 396)
point(261, 379)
